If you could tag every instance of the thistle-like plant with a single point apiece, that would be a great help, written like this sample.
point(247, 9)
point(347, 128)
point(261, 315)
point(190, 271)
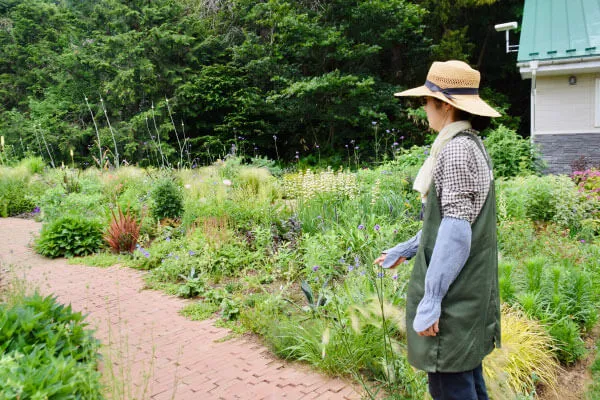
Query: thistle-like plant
point(123, 232)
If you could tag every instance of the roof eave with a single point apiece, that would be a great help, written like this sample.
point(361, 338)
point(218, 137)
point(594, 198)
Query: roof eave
point(559, 66)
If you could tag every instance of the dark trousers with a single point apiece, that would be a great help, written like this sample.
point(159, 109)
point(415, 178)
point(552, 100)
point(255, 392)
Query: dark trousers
point(467, 385)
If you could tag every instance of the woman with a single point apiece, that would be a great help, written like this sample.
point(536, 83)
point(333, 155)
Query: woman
point(453, 305)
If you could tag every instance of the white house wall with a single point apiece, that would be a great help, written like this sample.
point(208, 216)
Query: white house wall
point(566, 130)
point(561, 108)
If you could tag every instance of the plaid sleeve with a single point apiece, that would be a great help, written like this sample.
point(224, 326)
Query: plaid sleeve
point(458, 182)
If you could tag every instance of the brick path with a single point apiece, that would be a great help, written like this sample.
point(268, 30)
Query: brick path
point(156, 353)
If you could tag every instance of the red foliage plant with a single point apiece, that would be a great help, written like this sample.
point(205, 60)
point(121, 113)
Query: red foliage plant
point(123, 232)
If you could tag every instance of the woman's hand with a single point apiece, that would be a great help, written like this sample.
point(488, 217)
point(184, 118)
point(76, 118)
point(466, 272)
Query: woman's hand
point(432, 330)
point(379, 261)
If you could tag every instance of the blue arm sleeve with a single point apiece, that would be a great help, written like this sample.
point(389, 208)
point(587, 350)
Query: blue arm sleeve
point(406, 249)
point(450, 253)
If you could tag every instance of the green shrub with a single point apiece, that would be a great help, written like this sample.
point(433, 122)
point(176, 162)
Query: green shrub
point(47, 352)
point(69, 236)
point(35, 165)
point(511, 154)
point(542, 198)
point(167, 199)
point(588, 181)
point(569, 345)
point(14, 198)
point(561, 297)
point(56, 202)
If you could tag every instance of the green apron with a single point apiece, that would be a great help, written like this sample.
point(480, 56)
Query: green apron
point(470, 316)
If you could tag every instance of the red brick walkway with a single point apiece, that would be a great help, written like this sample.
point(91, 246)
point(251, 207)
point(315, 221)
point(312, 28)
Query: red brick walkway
point(155, 352)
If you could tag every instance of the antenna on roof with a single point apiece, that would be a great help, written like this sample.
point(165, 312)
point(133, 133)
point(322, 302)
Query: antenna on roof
point(507, 27)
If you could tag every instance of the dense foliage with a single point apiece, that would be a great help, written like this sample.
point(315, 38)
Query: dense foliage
point(69, 236)
point(290, 257)
point(46, 351)
point(174, 82)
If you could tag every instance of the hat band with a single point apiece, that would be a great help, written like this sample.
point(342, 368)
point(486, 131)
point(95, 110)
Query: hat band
point(448, 92)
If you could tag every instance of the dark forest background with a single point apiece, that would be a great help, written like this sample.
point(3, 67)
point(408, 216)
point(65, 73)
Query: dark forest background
point(197, 79)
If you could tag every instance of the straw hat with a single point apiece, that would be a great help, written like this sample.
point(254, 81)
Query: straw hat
point(455, 83)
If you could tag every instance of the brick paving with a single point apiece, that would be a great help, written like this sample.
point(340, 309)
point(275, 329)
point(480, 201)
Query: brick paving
point(151, 351)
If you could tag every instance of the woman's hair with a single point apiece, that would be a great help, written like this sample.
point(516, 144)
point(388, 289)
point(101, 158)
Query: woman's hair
point(478, 122)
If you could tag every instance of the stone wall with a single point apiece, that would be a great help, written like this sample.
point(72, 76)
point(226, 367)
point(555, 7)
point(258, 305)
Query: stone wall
point(559, 151)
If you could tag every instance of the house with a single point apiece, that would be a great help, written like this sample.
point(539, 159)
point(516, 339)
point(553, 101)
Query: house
point(559, 50)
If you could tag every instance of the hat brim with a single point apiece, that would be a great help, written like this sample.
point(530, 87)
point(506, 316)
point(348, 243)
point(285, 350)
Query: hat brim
point(472, 104)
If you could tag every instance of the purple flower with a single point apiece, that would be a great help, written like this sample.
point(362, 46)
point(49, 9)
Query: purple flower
point(317, 146)
point(380, 275)
point(426, 152)
point(395, 231)
point(387, 131)
point(315, 268)
point(36, 210)
point(582, 240)
point(395, 277)
point(168, 239)
point(356, 148)
point(395, 144)
point(377, 227)
point(191, 253)
point(350, 268)
point(362, 272)
point(146, 254)
point(297, 156)
point(361, 227)
point(346, 146)
point(401, 137)
point(374, 123)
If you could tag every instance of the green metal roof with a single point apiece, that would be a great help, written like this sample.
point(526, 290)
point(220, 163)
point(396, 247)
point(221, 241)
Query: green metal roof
point(559, 29)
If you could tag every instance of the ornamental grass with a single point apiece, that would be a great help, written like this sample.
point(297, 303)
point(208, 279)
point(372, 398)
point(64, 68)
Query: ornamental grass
point(525, 360)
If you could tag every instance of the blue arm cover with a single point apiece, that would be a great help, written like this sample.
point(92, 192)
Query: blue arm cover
point(406, 249)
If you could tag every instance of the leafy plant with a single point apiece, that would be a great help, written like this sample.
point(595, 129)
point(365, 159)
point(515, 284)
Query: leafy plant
point(14, 198)
point(230, 309)
point(35, 165)
point(69, 236)
point(511, 154)
point(588, 181)
point(561, 297)
point(314, 303)
point(570, 346)
point(167, 199)
point(47, 352)
point(123, 231)
point(193, 285)
point(71, 182)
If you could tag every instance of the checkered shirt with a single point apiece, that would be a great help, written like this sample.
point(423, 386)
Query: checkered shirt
point(462, 178)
